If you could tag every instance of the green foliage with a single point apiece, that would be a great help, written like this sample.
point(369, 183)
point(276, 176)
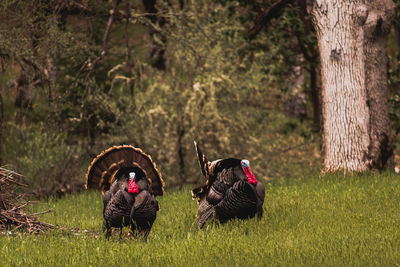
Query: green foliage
point(220, 90)
point(41, 156)
point(49, 44)
point(334, 220)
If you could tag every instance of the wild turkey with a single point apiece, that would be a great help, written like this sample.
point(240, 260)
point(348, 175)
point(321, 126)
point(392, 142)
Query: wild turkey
point(129, 181)
point(231, 190)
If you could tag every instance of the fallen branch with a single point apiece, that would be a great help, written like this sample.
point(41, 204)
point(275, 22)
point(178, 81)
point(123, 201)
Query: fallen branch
point(11, 215)
point(42, 212)
point(15, 182)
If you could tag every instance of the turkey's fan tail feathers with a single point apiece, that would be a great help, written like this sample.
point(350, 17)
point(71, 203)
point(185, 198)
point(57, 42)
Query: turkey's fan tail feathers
point(105, 168)
point(203, 162)
point(207, 169)
point(200, 191)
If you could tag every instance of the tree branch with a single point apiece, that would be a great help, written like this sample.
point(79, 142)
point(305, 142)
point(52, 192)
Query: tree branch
point(105, 37)
point(263, 18)
point(128, 49)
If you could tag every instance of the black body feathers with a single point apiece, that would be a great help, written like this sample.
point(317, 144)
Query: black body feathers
point(109, 172)
point(138, 211)
point(227, 194)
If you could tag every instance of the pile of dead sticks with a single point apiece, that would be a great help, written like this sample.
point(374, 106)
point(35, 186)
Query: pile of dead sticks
point(12, 204)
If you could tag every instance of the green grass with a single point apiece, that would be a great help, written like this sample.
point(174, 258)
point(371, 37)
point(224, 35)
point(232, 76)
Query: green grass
point(330, 221)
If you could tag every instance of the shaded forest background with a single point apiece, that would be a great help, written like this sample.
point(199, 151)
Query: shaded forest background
point(240, 77)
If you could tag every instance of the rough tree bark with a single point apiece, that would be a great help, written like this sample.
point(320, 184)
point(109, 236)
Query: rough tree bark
point(352, 37)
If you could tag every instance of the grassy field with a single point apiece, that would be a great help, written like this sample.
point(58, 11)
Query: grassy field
point(330, 221)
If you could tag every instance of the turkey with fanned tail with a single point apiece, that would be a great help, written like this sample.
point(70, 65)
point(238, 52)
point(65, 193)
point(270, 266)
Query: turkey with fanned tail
point(231, 190)
point(129, 181)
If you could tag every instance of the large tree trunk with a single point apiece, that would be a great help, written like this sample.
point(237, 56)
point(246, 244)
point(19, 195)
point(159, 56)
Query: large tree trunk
point(352, 36)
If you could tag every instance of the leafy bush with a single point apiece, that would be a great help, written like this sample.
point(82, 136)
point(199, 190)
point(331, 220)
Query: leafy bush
point(43, 157)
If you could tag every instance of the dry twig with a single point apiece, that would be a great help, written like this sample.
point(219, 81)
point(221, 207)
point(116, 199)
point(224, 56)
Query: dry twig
point(12, 216)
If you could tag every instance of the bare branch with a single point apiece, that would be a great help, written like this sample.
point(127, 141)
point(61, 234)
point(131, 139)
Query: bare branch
point(129, 49)
point(12, 216)
point(42, 212)
point(12, 181)
point(110, 21)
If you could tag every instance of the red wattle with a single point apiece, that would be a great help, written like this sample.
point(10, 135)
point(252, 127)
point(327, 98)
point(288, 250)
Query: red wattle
point(133, 187)
point(250, 176)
